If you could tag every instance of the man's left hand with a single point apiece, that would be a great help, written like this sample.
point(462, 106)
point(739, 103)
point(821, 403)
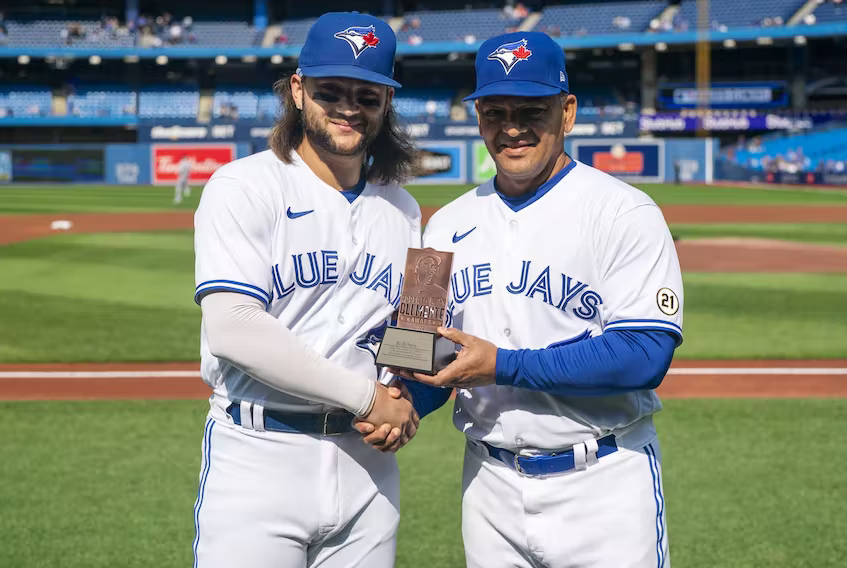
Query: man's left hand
point(474, 366)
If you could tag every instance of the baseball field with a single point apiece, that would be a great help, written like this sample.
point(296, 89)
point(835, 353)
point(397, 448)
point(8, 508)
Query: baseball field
point(102, 408)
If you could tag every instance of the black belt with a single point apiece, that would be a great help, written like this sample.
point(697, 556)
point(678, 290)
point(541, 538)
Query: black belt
point(327, 424)
point(547, 464)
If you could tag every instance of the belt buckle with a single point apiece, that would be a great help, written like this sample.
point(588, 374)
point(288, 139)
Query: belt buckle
point(516, 464)
point(327, 431)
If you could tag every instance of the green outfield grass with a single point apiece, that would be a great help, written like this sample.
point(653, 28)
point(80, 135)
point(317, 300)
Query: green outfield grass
point(818, 233)
point(21, 199)
point(35, 199)
point(103, 484)
point(128, 297)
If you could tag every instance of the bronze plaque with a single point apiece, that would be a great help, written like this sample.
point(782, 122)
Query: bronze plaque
point(423, 300)
point(413, 343)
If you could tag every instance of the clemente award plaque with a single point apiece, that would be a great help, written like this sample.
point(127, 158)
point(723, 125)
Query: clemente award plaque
point(414, 344)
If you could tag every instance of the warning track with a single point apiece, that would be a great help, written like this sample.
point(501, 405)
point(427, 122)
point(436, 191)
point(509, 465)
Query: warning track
point(686, 379)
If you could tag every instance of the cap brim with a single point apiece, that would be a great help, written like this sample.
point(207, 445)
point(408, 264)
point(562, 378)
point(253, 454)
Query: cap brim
point(350, 72)
point(515, 89)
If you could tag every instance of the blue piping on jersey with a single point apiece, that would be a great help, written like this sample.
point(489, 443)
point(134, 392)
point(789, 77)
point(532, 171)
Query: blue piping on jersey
point(201, 491)
point(205, 291)
point(521, 201)
point(660, 503)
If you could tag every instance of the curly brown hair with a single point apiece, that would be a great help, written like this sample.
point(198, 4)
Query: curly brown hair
point(388, 158)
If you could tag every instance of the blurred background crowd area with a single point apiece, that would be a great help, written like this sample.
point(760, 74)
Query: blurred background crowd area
point(776, 97)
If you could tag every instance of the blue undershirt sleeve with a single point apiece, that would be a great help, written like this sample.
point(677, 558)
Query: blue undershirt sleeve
point(426, 398)
point(615, 362)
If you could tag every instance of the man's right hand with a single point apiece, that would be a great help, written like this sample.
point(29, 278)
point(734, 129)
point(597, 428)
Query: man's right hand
point(392, 421)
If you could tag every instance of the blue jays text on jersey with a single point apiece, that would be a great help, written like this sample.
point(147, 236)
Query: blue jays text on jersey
point(560, 291)
point(320, 267)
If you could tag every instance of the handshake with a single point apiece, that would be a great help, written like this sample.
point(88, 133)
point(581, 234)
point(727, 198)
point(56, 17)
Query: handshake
point(392, 421)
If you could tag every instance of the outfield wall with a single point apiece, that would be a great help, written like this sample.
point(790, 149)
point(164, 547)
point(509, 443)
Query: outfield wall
point(441, 161)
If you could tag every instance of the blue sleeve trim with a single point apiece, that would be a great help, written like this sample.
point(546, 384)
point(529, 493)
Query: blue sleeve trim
point(647, 325)
point(231, 286)
point(616, 362)
point(644, 321)
point(426, 398)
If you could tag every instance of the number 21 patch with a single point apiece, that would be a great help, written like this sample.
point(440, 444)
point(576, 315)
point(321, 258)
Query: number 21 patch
point(667, 301)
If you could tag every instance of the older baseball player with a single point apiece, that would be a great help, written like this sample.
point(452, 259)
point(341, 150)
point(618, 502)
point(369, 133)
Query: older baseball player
point(299, 257)
point(567, 289)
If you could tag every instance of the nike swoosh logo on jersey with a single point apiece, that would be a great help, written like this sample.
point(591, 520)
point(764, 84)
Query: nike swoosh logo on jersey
point(457, 237)
point(293, 215)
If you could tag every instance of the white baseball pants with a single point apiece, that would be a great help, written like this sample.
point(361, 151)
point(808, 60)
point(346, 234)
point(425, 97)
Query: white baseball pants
point(272, 499)
point(609, 515)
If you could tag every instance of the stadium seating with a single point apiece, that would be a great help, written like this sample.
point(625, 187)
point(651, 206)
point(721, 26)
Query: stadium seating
point(102, 100)
point(223, 34)
point(417, 103)
point(600, 18)
point(454, 25)
point(24, 101)
point(816, 147)
point(741, 14)
point(48, 33)
point(268, 106)
point(168, 102)
point(830, 12)
point(243, 100)
point(295, 30)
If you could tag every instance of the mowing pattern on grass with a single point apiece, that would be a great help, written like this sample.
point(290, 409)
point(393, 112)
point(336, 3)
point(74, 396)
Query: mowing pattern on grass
point(122, 297)
point(113, 483)
point(790, 316)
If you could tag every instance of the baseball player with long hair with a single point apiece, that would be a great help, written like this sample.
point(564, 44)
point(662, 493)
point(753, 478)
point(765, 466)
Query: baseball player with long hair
point(567, 289)
point(299, 257)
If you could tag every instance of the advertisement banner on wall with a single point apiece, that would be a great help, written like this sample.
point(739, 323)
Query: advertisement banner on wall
point(204, 158)
point(5, 166)
point(439, 162)
point(483, 164)
point(629, 159)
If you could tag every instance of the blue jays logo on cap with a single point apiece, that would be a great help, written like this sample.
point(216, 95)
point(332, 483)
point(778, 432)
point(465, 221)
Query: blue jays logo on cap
point(510, 54)
point(533, 62)
point(324, 56)
point(359, 38)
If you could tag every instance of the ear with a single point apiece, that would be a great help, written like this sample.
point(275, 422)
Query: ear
point(478, 119)
point(297, 88)
point(569, 105)
point(389, 97)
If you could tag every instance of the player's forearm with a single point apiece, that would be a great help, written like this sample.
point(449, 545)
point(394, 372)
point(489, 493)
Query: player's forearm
point(239, 330)
point(615, 362)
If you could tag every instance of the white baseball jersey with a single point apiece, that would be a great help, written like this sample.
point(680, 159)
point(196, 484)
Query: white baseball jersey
point(586, 254)
point(330, 270)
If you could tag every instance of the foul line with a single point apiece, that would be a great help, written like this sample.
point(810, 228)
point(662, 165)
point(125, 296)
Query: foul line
point(759, 371)
point(99, 374)
point(196, 374)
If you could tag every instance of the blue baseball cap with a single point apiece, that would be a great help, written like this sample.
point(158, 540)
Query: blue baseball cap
point(349, 44)
point(521, 64)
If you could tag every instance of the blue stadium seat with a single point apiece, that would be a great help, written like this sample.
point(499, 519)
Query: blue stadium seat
point(829, 12)
point(417, 103)
point(243, 99)
point(741, 14)
point(102, 100)
point(168, 102)
point(48, 33)
point(25, 101)
point(600, 18)
point(268, 106)
point(455, 25)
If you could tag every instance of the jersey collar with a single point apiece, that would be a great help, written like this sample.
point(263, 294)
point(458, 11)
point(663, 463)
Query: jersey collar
point(356, 190)
point(521, 201)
